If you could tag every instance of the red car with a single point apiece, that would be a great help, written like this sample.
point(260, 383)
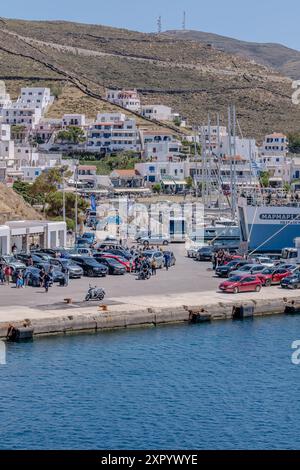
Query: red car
point(129, 265)
point(245, 283)
point(271, 276)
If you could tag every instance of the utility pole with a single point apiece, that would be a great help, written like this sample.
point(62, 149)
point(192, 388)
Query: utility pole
point(184, 21)
point(159, 23)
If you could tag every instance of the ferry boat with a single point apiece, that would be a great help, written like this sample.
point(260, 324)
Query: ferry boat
point(267, 227)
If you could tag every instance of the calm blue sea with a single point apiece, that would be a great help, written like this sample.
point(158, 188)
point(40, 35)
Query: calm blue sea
point(216, 386)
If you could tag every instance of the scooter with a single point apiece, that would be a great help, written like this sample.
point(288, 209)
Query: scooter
point(95, 293)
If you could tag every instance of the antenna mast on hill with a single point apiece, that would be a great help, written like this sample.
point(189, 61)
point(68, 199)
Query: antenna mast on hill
point(184, 21)
point(159, 24)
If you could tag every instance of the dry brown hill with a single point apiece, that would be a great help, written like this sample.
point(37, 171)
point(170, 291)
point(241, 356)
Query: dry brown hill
point(192, 77)
point(13, 207)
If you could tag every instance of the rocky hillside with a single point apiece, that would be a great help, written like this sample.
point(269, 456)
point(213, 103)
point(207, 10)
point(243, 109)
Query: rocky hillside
point(13, 207)
point(194, 78)
point(281, 58)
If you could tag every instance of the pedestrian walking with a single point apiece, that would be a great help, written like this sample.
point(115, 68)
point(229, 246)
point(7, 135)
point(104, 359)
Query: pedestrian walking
point(47, 280)
point(19, 280)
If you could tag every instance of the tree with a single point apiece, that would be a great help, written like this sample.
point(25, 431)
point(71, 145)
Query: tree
point(189, 182)
point(294, 142)
point(73, 135)
point(55, 205)
point(156, 188)
point(264, 178)
point(45, 184)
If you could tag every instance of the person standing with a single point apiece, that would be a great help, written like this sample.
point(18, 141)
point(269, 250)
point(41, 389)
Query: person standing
point(153, 267)
point(7, 273)
point(67, 277)
point(167, 261)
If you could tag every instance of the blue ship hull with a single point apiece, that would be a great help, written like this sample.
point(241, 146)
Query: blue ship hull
point(268, 228)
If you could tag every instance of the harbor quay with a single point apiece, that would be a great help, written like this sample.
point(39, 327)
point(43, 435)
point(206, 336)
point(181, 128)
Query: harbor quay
point(188, 292)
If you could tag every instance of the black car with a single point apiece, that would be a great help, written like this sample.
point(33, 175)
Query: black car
point(224, 270)
point(90, 266)
point(75, 271)
point(114, 267)
point(36, 258)
point(291, 282)
point(204, 254)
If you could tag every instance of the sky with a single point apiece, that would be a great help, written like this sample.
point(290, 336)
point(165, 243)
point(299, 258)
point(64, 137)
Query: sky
point(252, 20)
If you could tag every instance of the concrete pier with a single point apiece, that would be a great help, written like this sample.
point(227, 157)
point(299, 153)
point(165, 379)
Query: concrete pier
point(145, 311)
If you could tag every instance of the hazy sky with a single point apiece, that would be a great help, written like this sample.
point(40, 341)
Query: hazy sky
point(252, 20)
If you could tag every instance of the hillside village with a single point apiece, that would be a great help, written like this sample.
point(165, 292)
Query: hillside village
point(174, 156)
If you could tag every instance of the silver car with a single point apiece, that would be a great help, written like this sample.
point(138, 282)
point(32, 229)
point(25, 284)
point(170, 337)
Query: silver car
point(155, 239)
point(157, 256)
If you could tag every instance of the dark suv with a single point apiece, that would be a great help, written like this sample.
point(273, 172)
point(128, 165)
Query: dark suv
point(90, 266)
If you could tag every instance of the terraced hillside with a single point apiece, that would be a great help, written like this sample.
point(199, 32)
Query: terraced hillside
point(192, 77)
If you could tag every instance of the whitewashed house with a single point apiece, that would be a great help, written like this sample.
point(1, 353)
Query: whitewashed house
point(128, 99)
point(77, 120)
point(158, 112)
point(275, 144)
point(160, 145)
point(113, 135)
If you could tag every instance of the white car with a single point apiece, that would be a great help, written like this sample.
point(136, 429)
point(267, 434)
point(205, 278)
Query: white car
point(264, 260)
point(155, 239)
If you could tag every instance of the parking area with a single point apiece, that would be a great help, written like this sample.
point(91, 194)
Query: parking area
point(186, 276)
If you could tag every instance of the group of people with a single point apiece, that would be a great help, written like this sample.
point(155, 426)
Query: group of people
point(220, 257)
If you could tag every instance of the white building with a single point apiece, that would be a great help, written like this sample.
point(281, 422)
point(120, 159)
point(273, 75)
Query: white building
point(35, 98)
point(73, 120)
point(275, 144)
point(115, 135)
point(212, 135)
point(31, 173)
point(128, 99)
point(279, 167)
point(28, 117)
point(5, 101)
point(160, 145)
point(6, 145)
point(158, 112)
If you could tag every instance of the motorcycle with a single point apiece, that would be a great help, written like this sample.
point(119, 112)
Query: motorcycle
point(95, 293)
point(144, 275)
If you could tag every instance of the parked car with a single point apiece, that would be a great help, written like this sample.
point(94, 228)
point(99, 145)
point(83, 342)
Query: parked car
point(53, 252)
point(80, 251)
point(246, 283)
point(129, 264)
point(225, 269)
point(271, 276)
point(158, 256)
point(264, 260)
point(154, 239)
point(75, 271)
point(248, 269)
point(90, 237)
point(205, 253)
point(24, 257)
point(291, 282)
point(11, 261)
point(90, 266)
point(114, 266)
point(119, 252)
